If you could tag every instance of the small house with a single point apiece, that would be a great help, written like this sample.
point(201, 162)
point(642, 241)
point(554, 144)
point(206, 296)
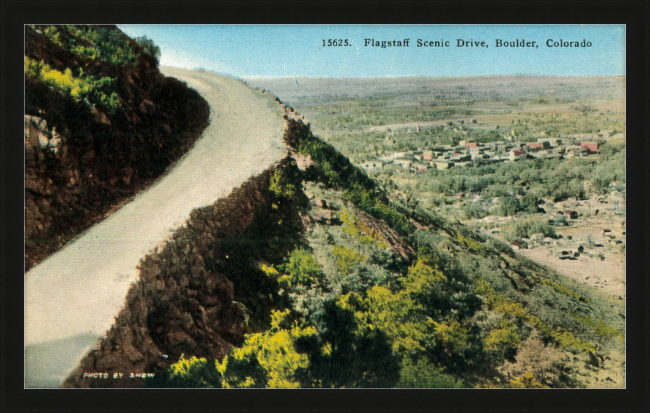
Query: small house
point(536, 146)
point(442, 164)
point(516, 154)
point(571, 214)
point(592, 147)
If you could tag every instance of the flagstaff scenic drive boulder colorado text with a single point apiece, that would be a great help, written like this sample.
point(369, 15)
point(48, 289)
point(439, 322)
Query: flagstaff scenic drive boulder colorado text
point(461, 43)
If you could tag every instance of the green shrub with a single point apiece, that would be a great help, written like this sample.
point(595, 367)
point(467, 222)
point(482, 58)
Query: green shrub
point(530, 202)
point(361, 232)
point(104, 43)
point(469, 243)
point(475, 211)
point(510, 205)
point(280, 186)
point(560, 288)
point(371, 203)
point(504, 338)
point(527, 381)
point(93, 91)
point(601, 328)
point(425, 374)
point(269, 359)
point(193, 372)
point(149, 47)
point(524, 228)
point(501, 304)
point(346, 259)
point(300, 267)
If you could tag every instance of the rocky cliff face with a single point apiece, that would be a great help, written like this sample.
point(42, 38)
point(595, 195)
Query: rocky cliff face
point(184, 301)
point(98, 129)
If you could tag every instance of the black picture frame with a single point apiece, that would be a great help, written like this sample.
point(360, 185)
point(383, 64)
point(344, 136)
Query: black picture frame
point(634, 14)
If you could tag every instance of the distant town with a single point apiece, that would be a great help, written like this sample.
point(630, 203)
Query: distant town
point(471, 153)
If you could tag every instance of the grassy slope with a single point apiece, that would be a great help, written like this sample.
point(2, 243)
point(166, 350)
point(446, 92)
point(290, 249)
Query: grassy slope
point(330, 300)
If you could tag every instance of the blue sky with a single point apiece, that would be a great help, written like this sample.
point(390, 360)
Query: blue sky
point(297, 50)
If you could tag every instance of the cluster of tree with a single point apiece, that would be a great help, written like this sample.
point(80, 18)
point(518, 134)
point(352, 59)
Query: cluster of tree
point(524, 228)
point(104, 43)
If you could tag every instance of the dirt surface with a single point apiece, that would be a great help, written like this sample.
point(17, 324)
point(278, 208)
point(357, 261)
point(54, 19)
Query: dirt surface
point(80, 289)
point(607, 275)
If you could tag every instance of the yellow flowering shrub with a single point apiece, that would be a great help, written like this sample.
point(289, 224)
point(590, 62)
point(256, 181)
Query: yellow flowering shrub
point(267, 359)
point(346, 259)
point(527, 381)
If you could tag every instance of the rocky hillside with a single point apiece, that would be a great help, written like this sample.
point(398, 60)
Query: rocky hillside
point(101, 123)
point(310, 275)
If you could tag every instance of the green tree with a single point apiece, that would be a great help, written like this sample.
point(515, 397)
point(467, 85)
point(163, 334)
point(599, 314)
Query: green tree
point(530, 203)
point(510, 205)
point(149, 47)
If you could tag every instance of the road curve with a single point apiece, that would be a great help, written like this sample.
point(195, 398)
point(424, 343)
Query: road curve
point(72, 297)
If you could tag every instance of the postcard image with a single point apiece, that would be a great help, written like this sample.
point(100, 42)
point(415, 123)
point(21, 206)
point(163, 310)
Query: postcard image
point(377, 206)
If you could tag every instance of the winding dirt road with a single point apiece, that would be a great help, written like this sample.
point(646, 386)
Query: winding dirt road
point(72, 297)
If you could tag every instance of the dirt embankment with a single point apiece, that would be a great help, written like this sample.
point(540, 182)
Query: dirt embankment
point(103, 157)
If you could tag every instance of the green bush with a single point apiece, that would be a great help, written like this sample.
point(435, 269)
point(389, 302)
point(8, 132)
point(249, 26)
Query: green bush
point(510, 205)
point(281, 187)
point(93, 91)
point(371, 203)
point(424, 374)
point(300, 267)
point(475, 210)
point(601, 328)
point(529, 203)
point(504, 338)
point(346, 259)
point(561, 288)
point(188, 373)
point(269, 359)
point(524, 228)
point(104, 43)
point(526, 381)
point(149, 47)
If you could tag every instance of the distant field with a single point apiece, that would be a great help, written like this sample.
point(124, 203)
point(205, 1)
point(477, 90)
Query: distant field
point(474, 87)
point(529, 105)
